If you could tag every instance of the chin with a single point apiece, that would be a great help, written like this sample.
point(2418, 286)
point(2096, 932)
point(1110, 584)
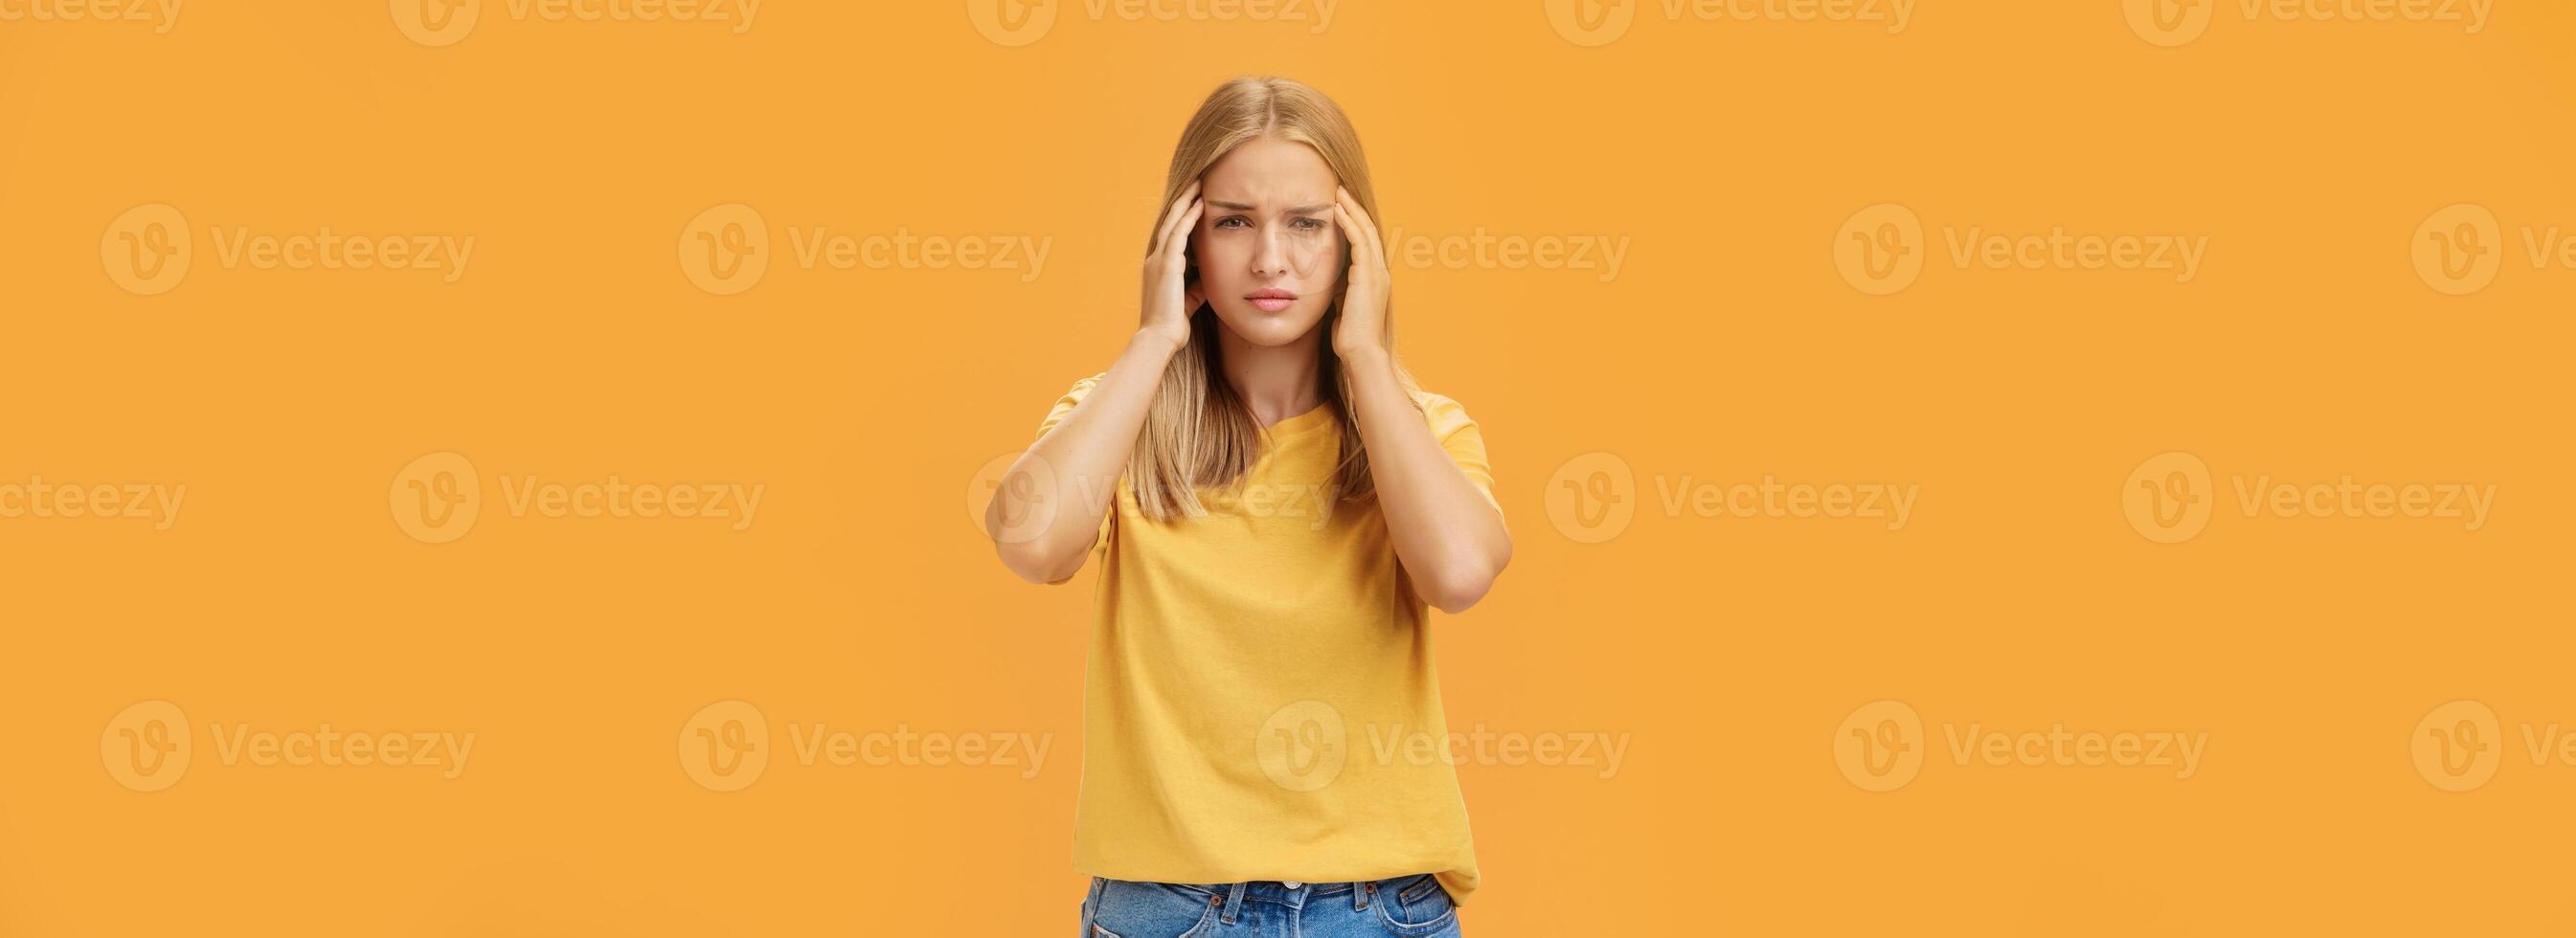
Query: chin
point(1268, 329)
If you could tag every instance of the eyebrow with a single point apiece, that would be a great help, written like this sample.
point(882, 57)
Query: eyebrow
point(1316, 209)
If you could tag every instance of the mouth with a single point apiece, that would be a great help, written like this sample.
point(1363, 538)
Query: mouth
point(1271, 301)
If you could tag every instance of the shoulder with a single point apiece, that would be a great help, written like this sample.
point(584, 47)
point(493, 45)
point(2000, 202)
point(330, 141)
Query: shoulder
point(1080, 389)
point(1084, 386)
point(1065, 403)
point(1442, 412)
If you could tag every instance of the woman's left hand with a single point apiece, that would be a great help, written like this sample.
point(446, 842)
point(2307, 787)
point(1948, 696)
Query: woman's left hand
point(1364, 284)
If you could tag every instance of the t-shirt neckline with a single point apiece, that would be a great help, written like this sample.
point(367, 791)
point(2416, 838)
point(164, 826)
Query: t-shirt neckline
point(1319, 416)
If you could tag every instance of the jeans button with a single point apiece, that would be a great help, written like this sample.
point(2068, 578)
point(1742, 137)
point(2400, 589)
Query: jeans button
point(1292, 884)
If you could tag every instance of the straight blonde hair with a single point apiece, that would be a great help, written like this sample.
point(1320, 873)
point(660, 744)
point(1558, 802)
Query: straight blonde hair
point(1198, 432)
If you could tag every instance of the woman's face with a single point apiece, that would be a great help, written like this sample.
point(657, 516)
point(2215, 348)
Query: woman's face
point(1268, 251)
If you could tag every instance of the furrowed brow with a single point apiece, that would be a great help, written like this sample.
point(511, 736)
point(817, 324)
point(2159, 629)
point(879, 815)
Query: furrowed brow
point(1316, 209)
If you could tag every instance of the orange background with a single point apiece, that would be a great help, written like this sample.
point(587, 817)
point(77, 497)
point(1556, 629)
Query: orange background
point(1726, 649)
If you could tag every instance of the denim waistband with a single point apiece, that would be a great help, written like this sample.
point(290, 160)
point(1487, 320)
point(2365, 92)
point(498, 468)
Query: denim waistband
point(1360, 894)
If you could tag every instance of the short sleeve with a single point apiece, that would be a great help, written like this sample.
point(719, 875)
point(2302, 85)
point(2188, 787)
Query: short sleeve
point(1064, 406)
point(1463, 440)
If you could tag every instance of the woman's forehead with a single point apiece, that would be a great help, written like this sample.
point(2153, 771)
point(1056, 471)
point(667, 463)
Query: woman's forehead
point(1269, 168)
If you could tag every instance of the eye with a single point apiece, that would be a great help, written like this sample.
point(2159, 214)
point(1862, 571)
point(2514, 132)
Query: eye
point(1310, 224)
point(1231, 221)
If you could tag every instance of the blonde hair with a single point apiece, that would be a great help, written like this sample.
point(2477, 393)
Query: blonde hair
point(1199, 432)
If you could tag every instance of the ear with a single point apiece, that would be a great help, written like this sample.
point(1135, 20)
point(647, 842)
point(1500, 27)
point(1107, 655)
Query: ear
point(1193, 296)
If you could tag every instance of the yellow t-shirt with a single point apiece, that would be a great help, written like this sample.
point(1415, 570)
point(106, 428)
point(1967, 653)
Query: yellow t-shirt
point(1260, 701)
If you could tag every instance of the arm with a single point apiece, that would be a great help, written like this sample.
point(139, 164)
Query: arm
point(1043, 527)
point(1449, 538)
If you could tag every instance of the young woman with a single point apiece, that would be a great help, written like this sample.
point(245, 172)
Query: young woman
point(1274, 503)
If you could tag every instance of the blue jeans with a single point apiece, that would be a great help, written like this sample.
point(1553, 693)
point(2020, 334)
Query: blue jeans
point(1409, 906)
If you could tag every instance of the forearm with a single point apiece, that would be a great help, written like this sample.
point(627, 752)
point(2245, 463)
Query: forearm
point(1074, 469)
point(1450, 540)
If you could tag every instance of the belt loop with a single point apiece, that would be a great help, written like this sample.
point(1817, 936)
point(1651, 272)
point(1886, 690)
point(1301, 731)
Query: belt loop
point(1360, 895)
point(1234, 902)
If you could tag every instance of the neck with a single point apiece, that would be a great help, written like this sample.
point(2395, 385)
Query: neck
point(1276, 381)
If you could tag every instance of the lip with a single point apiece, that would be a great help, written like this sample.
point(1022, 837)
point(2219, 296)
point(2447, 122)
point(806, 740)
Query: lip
point(1271, 301)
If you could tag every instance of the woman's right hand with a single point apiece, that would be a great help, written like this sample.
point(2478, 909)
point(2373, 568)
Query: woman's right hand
point(1169, 297)
point(1044, 531)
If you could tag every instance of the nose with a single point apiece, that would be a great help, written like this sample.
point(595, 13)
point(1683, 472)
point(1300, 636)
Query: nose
point(1270, 259)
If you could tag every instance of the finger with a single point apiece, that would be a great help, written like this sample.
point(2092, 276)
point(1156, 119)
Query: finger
point(1364, 262)
point(1350, 231)
point(1342, 195)
point(1188, 196)
point(1178, 255)
point(1176, 227)
point(1171, 219)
